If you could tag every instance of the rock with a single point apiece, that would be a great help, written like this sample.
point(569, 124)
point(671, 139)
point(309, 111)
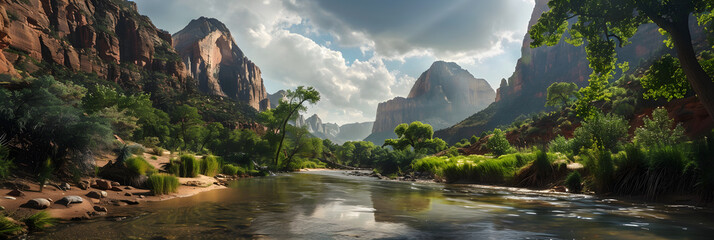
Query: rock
point(127, 188)
point(97, 194)
point(16, 193)
point(10, 198)
point(65, 186)
point(141, 196)
point(128, 194)
point(117, 189)
point(131, 202)
point(70, 200)
point(115, 184)
point(38, 203)
point(83, 217)
point(193, 183)
point(100, 209)
point(84, 185)
point(104, 184)
point(95, 201)
point(220, 67)
point(443, 95)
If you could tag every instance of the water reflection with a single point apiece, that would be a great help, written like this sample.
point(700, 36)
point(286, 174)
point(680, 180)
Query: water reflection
point(329, 205)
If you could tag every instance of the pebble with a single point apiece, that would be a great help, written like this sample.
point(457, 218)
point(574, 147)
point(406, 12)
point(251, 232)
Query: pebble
point(11, 198)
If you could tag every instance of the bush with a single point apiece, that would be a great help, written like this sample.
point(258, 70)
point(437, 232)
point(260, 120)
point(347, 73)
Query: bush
point(163, 184)
point(230, 169)
point(605, 132)
point(498, 144)
point(189, 166)
point(472, 168)
point(8, 228)
point(138, 165)
point(39, 221)
point(600, 164)
point(560, 144)
point(209, 166)
point(6, 164)
point(659, 130)
point(665, 170)
point(158, 151)
point(574, 182)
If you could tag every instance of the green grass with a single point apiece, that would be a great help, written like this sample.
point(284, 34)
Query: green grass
point(230, 169)
point(39, 221)
point(474, 168)
point(163, 184)
point(574, 182)
point(8, 228)
point(138, 165)
point(189, 166)
point(209, 166)
point(666, 169)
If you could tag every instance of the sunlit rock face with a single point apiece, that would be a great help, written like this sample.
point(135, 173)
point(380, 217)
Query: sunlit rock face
point(442, 96)
point(107, 38)
point(220, 67)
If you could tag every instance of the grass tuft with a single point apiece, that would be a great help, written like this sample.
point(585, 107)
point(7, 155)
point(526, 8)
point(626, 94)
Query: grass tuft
point(39, 221)
point(138, 165)
point(209, 166)
point(163, 184)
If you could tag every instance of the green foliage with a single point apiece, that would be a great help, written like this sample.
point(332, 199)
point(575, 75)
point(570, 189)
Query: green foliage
point(138, 165)
point(8, 228)
point(162, 184)
point(604, 132)
point(472, 168)
point(474, 139)
point(277, 119)
point(39, 221)
point(158, 151)
point(561, 145)
point(659, 130)
point(574, 182)
point(189, 166)
point(187, 125)
point(209, 166)
point(44, 173)
point(561, 94)
point(230, 169)
point(665, 79)
point(600, 164)
point(6, 164)
point(418, 136)
point(666, 167)
point(498, 144)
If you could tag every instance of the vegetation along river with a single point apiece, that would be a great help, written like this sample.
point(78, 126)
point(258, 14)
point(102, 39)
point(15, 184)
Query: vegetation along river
point(333, 205)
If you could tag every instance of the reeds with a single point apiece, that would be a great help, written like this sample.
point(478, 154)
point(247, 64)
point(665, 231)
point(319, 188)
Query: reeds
point(162, 184)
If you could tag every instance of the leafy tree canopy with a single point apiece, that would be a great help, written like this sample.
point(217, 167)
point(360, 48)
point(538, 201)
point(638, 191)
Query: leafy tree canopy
point(416, 135)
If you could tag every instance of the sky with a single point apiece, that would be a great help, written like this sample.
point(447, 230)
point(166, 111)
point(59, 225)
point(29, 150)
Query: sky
point(360, 53)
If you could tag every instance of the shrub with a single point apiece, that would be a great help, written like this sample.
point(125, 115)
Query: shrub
point(665, 170)
point(574, 182)
point(605, 132)
point(6, 164)
point(189, 166)
point(474, 139)
point(163, 184)
point(8, 228)
point(498, 144)
point(599, 163)
point(659, 130)
point(560, 144)
point(39, 221)
point(704, 157)
point(538, 172)
point(209, 166)
point(138, 165)
point(631, 171)
point(230, 169)
point(158, 151)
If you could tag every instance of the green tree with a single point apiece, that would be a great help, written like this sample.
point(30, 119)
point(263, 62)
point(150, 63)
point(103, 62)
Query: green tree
point(185, 118)
point(561, 94)
point(603, 25)
point(294, 104)
point(603, 131)
point(416, 135)
point(659, 130)
point(497, 143)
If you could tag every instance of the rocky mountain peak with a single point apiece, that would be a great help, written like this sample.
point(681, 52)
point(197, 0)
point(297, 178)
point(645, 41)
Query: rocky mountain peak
point(209, 51)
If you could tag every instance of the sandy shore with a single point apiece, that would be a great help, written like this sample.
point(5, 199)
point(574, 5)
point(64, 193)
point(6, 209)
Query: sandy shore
point(115, 198)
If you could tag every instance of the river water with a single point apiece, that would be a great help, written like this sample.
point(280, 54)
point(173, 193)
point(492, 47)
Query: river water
point(333, 205)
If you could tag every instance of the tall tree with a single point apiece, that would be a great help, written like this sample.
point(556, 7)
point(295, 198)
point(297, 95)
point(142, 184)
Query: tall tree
point(604, 24)
point(294, 104)
point(418, 136)
point(185, 117)
point(560, 93)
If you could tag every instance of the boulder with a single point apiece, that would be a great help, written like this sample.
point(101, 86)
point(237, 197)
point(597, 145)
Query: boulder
point(97, 194)
point(70, 200)
point(115, 184)
point(84, 185)
point(128, 194)
point(16, 193)
point(100, 209)
point(38, 203)
point(104, 184)
point(65, 186)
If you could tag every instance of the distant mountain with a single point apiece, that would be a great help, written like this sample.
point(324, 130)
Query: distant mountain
point(275, 98)
point(442, 96)
point(525, 91)
point(332, 131)
point(220, 67)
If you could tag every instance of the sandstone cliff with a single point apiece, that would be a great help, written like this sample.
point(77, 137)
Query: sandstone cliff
point(525, 91)
point(442, 96)
point(105, 37)
point(220, 67)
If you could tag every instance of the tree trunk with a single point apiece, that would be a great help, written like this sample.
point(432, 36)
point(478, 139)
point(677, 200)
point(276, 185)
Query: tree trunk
point(697, 77)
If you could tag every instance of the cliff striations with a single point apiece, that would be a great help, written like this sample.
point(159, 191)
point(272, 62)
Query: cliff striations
point(108, 38)
point(442, 96)
point(220, 67)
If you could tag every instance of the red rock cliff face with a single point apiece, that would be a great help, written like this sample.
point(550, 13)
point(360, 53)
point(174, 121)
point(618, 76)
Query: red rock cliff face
point(106, 37)
point(220, 67)
point(442, 96)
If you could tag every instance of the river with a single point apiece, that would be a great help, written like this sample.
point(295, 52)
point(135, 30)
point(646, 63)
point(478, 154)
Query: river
point(333, 205)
